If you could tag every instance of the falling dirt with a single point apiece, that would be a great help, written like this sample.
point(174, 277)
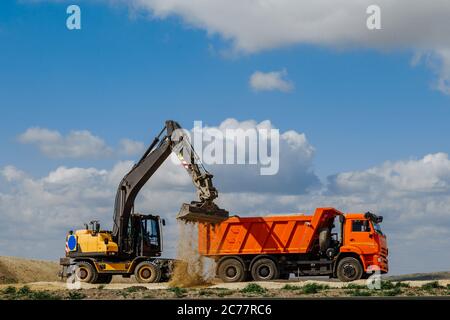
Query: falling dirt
point(193, 270)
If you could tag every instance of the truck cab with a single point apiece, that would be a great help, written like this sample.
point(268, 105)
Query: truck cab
point(362, 235)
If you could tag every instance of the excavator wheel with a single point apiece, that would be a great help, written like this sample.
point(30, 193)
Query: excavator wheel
point(147, 272)
point(85, 272)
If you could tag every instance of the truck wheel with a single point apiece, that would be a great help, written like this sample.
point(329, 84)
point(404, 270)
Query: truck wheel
point(104, 278)
point(265, 270)
point(85, 272)
point(231, 270)
point(147, 272)
point(349, 269)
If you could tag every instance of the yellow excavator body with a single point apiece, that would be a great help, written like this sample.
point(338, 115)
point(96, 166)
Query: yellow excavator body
point(96, 243)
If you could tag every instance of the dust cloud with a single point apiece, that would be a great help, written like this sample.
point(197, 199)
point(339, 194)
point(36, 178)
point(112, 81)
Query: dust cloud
point(193, 269)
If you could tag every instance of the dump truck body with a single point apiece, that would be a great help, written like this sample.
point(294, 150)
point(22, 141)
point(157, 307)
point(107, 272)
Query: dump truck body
point(300, 244)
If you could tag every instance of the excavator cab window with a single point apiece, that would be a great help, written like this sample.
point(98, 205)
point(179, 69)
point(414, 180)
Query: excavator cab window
point(150, 227)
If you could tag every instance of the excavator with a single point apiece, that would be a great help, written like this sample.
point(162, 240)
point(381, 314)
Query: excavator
point(134, 246)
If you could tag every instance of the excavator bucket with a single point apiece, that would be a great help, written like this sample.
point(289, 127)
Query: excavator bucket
point(197, 213)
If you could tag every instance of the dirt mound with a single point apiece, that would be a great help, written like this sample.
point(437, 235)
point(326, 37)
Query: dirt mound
point(18, 270)
point(444, 275)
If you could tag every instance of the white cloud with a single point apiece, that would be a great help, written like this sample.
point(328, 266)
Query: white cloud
point(270, 81)
point(295, 174)
point(11, 173)
point(80, 144)
point(431, 174)
point(77, 144)
point(255, 25)
point(129, 147)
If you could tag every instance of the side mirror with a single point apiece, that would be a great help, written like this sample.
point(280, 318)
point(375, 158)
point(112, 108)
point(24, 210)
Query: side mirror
point(106, 241)
point(163, 221)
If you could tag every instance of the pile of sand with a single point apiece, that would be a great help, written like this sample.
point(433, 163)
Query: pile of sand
point(193, 270)
point(18, 270)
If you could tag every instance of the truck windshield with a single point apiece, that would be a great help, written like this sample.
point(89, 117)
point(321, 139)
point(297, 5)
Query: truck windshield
point(377, 228)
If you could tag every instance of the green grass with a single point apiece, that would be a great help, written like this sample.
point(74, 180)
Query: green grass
point(431, 286)
point(135, 289)
point(353, 286)
point(224, 292)
point(9, 290)
point(387, 285)
point(179, 292)
point(312, 288)
point(309, 288)
point(205, 292)
point(253, 288)
point(291, 288)
point(392, 292)
point(25, 293)
point(76, 295)
point(25, 290)
point(360, 293)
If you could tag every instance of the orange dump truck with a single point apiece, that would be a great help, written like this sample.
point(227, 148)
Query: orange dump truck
point(328, 243)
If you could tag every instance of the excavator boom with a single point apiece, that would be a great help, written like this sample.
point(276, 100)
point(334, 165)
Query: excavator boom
point(174, 140)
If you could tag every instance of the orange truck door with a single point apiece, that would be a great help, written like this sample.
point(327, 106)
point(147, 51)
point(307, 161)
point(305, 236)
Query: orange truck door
point(359, 233)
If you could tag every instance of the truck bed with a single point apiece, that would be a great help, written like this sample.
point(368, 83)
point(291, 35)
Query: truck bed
point(263, 235)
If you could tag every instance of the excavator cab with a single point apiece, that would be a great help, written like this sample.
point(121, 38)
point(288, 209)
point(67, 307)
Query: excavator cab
point(145, 235)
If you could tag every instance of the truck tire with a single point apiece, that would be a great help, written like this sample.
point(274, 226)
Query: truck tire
point(104, 278)
point(349, 269)
point(85, 272)
point(265, 269)
point(231, 270)
point(147, 272)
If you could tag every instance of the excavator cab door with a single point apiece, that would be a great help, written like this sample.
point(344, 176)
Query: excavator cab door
point(146, 235)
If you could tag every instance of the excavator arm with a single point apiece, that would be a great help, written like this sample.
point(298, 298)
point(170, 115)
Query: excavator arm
point(170, 139)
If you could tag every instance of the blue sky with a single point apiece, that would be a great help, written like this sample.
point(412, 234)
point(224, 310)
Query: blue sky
point(124, 73)
point(355, 107)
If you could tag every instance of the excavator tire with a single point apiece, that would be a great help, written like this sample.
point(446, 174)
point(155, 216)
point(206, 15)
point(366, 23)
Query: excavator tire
point(85, 272)
point(147, 272)
point(231, 270)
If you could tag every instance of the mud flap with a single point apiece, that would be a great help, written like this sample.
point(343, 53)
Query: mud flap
point(198, 212)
